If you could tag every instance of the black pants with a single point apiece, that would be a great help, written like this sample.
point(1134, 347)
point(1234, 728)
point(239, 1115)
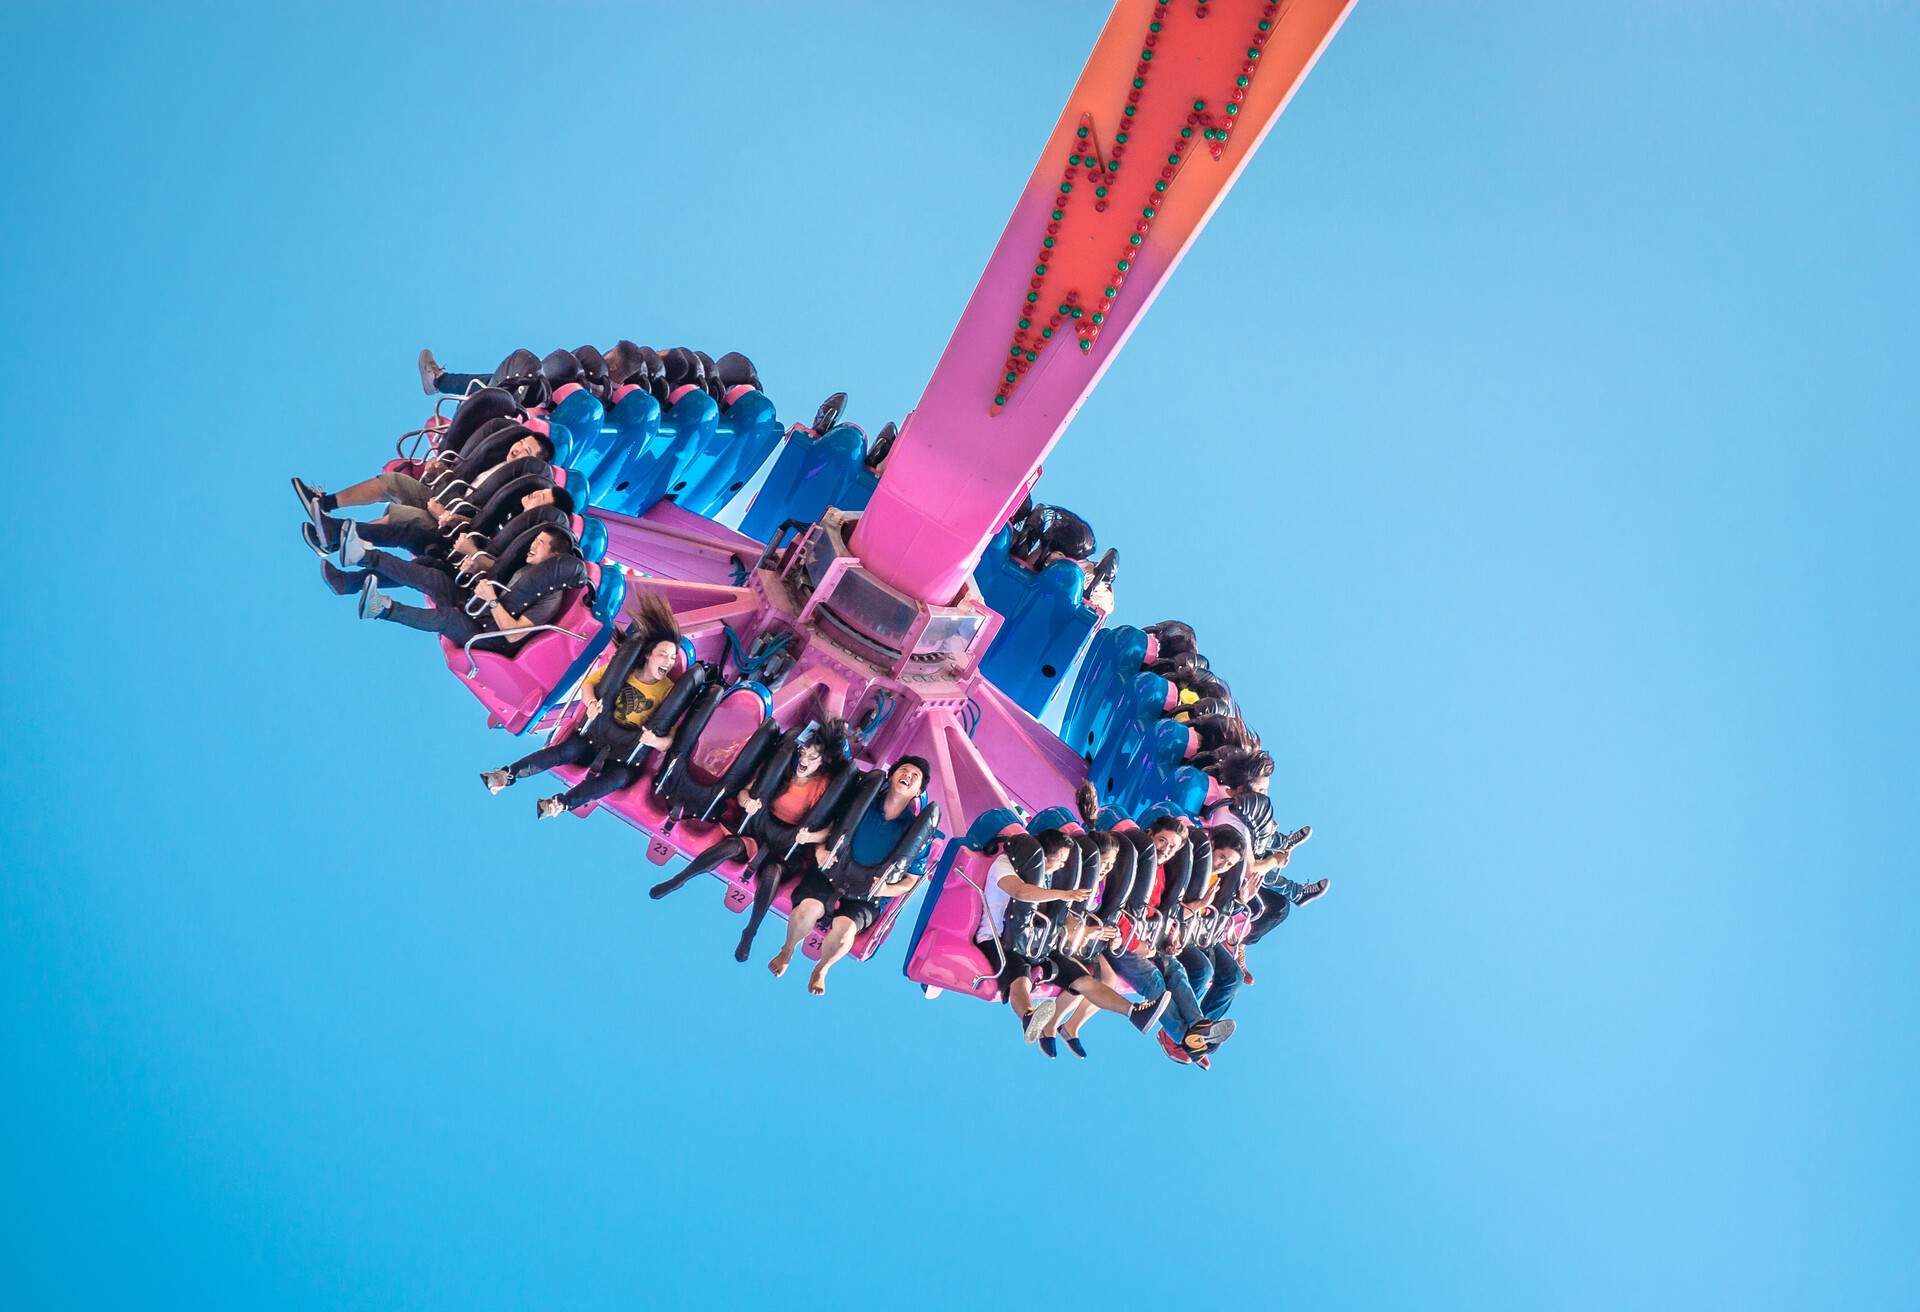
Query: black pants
point(446, 618)
point(1273, 906)
point(768, 875)
point(415, 533)
point(574, 749)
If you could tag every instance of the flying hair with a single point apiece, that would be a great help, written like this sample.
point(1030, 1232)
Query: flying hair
point(653, 619)
point(832, 738)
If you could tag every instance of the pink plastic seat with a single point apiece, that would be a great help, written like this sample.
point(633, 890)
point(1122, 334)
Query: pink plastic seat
point(947, 955)
point(512, 683)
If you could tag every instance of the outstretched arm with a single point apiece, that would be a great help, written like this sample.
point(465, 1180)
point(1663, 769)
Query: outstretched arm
point(897, 887)
point(1021, 891)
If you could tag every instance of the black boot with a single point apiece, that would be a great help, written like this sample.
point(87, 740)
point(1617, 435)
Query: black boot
point(766, 884)
point(724, 850)
point(343, 582)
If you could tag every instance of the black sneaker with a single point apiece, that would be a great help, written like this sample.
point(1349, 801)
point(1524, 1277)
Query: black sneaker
point(1144, 1016)
point(1311, 891)
point(311, 537)
point(1048, 1046)
point(328, 529)
point(1074, 1047)
point(1297, 837)
point(342, 583)
point(829, 413)
point(309, 497)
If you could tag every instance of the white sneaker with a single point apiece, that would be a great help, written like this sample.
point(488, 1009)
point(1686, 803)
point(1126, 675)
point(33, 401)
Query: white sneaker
point(1042, 1016)
point(352, 549)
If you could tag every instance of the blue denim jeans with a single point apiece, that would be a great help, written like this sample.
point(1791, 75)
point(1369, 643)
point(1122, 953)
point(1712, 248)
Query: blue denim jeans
point(1152, 976)
point(1218, 996)
point(1198, 965)
point(452, 384)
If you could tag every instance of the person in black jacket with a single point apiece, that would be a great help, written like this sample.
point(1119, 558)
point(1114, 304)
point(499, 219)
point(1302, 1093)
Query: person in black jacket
point(418, 508)
point(1248, 776)
point(1178, 860)
point(536, 593)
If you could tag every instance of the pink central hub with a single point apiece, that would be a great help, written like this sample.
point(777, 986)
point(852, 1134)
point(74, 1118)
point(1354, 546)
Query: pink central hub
point(904, 671)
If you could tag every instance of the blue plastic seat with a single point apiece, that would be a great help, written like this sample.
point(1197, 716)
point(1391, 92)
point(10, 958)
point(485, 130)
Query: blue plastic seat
point(1140, 736)
point(651, 468)
point(1046, 622)
point(810, 475)
point(1100, 691)
point(620, 427)
point(745, 436)
point(574, 424)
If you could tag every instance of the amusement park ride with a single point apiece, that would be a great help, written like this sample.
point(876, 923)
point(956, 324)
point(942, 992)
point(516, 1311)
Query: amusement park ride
point(878, 583)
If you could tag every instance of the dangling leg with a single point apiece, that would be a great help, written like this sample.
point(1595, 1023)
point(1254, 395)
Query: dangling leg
point(806, 914)
point(1078, 1016)
point(839, 942)
point(1103, 997)
point(435, 379)
point(766, 882)
point(1063, 1017)
point(574, 749)
point(727, 849)
point(591, 788)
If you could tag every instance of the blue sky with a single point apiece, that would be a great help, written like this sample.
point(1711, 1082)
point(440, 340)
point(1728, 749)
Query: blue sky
point(1530, 437)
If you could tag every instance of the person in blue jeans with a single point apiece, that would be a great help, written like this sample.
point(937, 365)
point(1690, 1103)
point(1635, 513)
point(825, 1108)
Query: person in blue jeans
point(1151, 977)
point(1186, 1028)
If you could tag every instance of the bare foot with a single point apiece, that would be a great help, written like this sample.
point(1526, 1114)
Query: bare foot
point(817, 981)
point(495, 780)
point(780, 961)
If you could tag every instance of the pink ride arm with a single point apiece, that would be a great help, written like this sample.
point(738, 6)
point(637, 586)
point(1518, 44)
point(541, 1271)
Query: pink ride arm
point(1132, 191)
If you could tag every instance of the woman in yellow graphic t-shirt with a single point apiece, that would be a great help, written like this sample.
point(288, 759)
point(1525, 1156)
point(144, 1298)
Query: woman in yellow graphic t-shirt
point(622, 730)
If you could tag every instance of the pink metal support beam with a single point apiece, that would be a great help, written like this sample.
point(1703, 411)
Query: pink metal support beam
point(1170, 107)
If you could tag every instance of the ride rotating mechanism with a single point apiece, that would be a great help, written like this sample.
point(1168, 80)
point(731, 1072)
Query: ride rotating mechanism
point(870, 611)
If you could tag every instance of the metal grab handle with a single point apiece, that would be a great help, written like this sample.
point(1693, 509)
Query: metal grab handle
point(473, 666)
point(416, 434)
point(779, 537)
point(473, 385)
